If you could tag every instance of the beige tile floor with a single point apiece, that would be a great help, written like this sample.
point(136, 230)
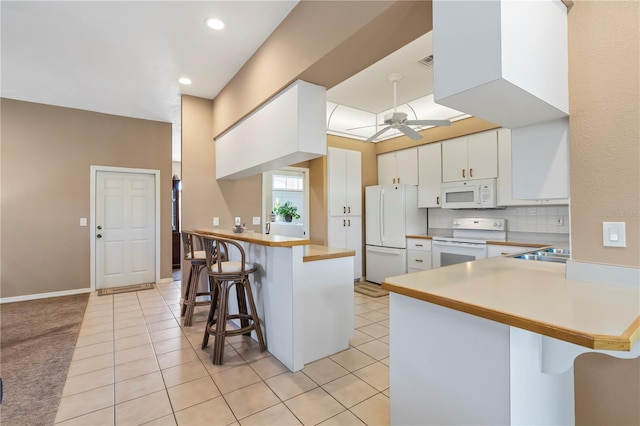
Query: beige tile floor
point(135, 364)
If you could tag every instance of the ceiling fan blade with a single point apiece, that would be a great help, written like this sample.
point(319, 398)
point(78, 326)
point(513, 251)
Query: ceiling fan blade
point(429, 122)
point(378, 133)
point(413, 135)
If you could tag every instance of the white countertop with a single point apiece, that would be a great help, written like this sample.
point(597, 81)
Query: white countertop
point(534, 296)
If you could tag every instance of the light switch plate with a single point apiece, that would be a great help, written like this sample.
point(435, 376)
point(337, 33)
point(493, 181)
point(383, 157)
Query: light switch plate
point(613, 234)
point(83, 221)
point(216, 221)
point(238, 221)
point(256, 220)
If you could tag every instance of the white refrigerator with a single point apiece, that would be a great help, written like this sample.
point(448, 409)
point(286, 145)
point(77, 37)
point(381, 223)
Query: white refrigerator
point(391, 213)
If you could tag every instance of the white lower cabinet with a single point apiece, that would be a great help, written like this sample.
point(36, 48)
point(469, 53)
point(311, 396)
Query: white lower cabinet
point(346, 232)
point(418, 255)
point(500, 250)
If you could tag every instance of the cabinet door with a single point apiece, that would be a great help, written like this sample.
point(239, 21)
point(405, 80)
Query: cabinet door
point(346, 232)
point(482, 155)
point(454, 160)
point(407, 166)
point(353, 183)
point(387, 168)
point(354, 242)
point(336, 175)
point(498, 250)
point(505, 196)
point(429, 175)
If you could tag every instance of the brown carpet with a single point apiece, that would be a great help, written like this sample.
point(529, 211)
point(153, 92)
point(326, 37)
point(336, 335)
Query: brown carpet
point(37, 339)
point(370, 289)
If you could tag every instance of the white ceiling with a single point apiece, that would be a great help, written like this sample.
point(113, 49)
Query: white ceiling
point(125, 58)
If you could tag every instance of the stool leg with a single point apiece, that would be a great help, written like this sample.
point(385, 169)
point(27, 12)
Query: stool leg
point(242, 306)
point(221, 324)
point(193, 290)
point(210, 321)
point(186, 293)
point(254, 315)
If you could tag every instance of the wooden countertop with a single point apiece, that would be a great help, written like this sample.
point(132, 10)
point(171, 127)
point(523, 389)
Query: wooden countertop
point(255, 237)
point(534, 296)
point(314, 252)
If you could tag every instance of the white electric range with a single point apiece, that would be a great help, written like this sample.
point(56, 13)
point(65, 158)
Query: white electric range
point(469, 240)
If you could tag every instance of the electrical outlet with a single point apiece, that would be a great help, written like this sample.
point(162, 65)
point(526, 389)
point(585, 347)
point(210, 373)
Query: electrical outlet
point(216, 221)
point(83, 221)
point(256, 220)
point(238, 221)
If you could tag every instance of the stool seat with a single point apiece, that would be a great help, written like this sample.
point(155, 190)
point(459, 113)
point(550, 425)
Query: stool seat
point(225, 274)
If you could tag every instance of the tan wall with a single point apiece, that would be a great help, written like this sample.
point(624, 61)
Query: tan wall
point(46, 154)
point(604, 100)
point(305, 47)
point(204, 197)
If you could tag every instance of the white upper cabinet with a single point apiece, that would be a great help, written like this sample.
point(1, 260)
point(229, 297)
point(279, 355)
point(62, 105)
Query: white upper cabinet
point(344, 182)
point(398, 167)
point(506, 177)
point(470, 157)
point(429, 175)
point(522, 46)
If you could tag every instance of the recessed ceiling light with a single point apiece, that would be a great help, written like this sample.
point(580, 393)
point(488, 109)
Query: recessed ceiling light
point(214, 23)
point(184, 80)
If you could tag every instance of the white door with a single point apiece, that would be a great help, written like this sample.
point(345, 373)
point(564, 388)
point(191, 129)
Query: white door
point(125, 229)
point(393, 217)
point(373, 208)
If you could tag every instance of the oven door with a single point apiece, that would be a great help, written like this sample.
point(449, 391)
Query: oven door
point(451, 252)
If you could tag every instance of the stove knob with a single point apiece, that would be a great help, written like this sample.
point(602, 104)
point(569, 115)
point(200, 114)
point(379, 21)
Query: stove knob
point(495, 223)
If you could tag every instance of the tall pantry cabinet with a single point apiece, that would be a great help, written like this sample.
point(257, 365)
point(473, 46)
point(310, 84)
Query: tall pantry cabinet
point(344, 192)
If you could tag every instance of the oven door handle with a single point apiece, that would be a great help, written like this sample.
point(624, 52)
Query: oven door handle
point(458, 244)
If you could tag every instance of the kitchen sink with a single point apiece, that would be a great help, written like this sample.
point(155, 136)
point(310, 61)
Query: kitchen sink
point(546, 255)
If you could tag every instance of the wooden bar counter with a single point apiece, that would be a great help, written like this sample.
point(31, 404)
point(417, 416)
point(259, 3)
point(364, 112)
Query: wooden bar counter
point(304, 295)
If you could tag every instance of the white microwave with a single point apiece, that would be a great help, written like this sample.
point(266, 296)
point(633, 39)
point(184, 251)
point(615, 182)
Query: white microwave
point(469, 194)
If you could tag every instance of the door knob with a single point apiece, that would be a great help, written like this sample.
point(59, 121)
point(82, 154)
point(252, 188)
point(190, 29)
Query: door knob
point(99, 236)
point(99, 227)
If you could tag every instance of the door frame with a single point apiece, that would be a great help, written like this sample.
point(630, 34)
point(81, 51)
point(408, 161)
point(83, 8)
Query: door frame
point(92, 214)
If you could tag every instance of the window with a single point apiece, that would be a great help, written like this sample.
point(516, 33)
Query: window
point(288, 188)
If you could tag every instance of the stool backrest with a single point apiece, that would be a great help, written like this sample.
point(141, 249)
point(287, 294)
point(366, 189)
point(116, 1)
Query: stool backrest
point(219, 250)
point(191, 242)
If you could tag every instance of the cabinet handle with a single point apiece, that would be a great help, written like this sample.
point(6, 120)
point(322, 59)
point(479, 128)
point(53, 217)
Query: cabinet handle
point(419, 245)
point(349, 222)
point(470, 172)
point(394, 180)
point(348, 209)
point(438, 200)
point(419, 260)
point(504, 253)
point(398, 180)
point(463, 172)
point(344, 209)
point(344, 222)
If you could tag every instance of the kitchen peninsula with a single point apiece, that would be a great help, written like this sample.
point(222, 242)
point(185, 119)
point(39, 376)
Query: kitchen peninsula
point(303, 292)
point(494, 341)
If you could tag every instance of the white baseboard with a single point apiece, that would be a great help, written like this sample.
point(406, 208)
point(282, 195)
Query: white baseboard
point(623, 276)
point(44, 295)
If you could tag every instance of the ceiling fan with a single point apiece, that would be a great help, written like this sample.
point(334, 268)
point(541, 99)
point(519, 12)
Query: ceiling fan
point(398, 120)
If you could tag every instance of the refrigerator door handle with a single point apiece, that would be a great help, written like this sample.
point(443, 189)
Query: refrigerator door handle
point(391, 253)
point(382, 215)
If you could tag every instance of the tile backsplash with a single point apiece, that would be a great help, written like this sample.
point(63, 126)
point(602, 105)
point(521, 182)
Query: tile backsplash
point(543, 219)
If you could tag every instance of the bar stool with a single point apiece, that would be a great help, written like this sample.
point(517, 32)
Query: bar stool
point(198, 261)
point(224, 274)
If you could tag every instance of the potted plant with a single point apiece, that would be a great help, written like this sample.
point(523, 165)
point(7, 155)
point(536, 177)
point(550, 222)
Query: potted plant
point(287, 210)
